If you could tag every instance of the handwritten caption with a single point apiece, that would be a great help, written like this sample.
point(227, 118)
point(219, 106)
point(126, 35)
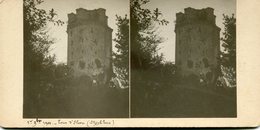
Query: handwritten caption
point(79, 123)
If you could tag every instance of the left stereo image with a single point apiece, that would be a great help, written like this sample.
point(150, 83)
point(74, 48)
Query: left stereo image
point(76, 59)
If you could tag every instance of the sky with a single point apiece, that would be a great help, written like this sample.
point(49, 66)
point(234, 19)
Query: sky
point(169, 8)
point(64, 7)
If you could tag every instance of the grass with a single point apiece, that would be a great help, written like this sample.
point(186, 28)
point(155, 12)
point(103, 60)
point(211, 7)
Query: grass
point(76, 99)
point(185, 100)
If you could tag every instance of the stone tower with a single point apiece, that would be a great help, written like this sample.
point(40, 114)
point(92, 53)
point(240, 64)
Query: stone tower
point(90, 44)
point(197, 42)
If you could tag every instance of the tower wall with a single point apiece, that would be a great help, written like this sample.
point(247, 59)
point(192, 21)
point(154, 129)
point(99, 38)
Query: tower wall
point(197, 42)
point(90, 44)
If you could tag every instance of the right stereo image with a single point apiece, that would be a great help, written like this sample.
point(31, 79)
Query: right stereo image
point(183, 58)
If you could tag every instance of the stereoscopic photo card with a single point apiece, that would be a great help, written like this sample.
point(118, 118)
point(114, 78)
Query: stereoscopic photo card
point(129, 63)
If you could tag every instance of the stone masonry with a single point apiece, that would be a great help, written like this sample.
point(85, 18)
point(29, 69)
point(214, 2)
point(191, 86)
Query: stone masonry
point(197, 42)
point(90, 44)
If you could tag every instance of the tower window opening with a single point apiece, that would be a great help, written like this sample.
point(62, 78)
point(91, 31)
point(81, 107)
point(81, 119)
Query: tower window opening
point(205, 62)
point(90, 66)
point(98, 63)
point(72, 63)
point(95, 41)
point(82, 64)
point(190, 64)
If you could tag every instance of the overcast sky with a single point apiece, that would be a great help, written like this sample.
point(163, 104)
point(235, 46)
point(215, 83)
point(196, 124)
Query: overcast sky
point(169, 8)
point(64, 7)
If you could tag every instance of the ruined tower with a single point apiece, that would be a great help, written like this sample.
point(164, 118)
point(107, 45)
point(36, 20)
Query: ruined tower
point(197, 42)
point(90, 44)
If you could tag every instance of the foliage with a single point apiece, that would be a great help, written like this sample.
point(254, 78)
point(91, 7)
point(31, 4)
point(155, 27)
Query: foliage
point(40, 70)
point(150, 74)
point(121, 57)
point(36, 39)
point(228, 56)
point(144, 40)
point(229, 42)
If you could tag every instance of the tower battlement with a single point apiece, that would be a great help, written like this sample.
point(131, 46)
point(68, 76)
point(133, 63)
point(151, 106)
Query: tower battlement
point(84, 16)
point(191, 16)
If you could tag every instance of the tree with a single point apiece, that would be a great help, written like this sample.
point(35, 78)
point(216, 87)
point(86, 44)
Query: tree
point(148, 77)
point(36, 39)
point(38, 63)
point(228, 56)
point(121, 60)
point(229, 42)
point(144, 40)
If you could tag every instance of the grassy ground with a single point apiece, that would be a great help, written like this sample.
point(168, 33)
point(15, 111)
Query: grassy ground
point(77, 100)
point(186, 100)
